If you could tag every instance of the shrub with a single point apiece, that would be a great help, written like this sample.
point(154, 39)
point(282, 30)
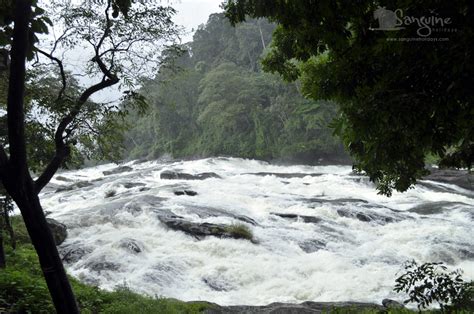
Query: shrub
point(20, 292)
point(240, 231)
point(430, 282)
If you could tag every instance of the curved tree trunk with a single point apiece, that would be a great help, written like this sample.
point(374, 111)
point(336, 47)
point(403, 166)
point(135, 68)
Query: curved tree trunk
point(15, 174)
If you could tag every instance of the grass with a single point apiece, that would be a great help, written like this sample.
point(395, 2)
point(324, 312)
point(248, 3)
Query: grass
point(240, 231)
point(23, 289)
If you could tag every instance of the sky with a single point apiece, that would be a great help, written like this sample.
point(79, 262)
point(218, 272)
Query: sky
point(192, 13)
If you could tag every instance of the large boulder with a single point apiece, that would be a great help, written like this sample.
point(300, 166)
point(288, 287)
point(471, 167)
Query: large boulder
point(206, 212)
point(202, 230)
point(433, 208)
point(461, 178)
point(58, 230)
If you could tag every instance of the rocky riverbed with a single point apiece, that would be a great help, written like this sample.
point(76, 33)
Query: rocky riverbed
point(233, 231)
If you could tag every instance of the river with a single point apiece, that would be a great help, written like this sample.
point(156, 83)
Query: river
point(321, 233)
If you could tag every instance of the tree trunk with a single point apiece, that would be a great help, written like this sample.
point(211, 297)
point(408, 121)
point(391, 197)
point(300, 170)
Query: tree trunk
point(16, 177)
point(43, 241)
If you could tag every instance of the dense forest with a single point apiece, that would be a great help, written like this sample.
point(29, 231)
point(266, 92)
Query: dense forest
point(214, 99)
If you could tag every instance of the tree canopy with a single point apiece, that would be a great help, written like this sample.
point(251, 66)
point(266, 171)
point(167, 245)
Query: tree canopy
point(403, 94)
point(220, 102)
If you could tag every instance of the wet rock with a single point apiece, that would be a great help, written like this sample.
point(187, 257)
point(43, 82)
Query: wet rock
point(198, 230)
point(434, 208)
point(77, 185)
point(58, 230)
point(295, 217)
point(216, 284)
point(61, 178)
point(337, 201)
point(461, 178)
point(129, 185)
point(185, 192)
point(284, 175)
point(205, 212)
point(100, 266)
point(117, 170)
point(311, 246)
point(173, 175)
point(131, 245)
point(303, 308)
point(392, 304)
point(150, 199)
point(73, 254)
point(366, 216)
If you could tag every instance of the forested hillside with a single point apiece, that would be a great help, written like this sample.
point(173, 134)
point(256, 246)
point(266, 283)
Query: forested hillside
point(214, 99)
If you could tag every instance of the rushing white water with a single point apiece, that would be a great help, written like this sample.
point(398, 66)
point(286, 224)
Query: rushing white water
point(352, 252)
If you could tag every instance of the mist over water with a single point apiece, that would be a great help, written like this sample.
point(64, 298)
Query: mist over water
point(324, 236)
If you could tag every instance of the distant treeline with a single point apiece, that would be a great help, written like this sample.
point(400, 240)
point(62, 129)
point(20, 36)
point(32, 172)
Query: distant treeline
point(215, 100)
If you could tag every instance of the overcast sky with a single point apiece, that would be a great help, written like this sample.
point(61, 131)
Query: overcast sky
point(192, 13)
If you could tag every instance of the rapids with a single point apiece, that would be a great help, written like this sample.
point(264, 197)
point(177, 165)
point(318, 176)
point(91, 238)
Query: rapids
point(351, 249)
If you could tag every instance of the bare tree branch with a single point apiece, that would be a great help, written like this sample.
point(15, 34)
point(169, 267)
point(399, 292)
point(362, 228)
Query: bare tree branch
point(61, 70)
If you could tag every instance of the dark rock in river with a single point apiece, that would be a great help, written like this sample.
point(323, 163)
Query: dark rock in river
point(434, 207)
point(117, 170)
point(100, 266)
point(58, 230)
point(77, 185)
point(205, 212)
point(311, 246)
point(131, 245)
point(185, 192)
point(61, 178)
point(461, 178)
point(367, 216)
point(199, 230)
point(217, 284)
point(284, 175)
point(129, 185)
point(295, 217)
point(74, 253)
point(306, 307)
point(172, 175)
